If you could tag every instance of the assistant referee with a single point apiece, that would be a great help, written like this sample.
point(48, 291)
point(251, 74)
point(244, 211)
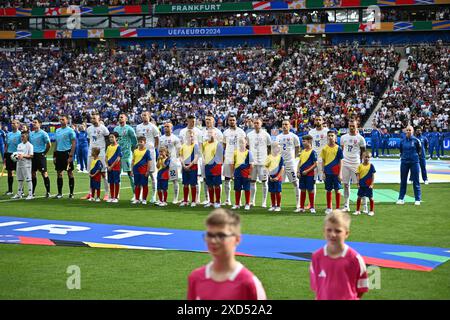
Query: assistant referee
point(41, 144)
point(63, 155)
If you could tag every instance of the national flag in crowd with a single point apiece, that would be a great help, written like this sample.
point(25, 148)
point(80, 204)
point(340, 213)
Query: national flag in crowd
point(366, 27)
point(261, 5)
point(280, 29)
point(23, 34)
point(297, 4)
point(52, 11)
point(23, 12)
point(8, 12)
point(441, 25)
point(315, 28)
point(402, 26)
point(333, 3)
point(116, 10)
point(128, 33)
point(64, 34)
point(96, 33)
point(86, 10)
point(386, 2)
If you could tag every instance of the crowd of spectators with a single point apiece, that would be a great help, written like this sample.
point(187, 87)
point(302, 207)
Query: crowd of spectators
point(337, 83)
point(298, 17)
point(421, 96)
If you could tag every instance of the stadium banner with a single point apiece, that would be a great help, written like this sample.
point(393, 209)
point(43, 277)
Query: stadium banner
point(212, 7)
point(284, 5)
point(230, 31)
point(393, 143)
point(447, 144)
point(56, 11)
point(18, 230)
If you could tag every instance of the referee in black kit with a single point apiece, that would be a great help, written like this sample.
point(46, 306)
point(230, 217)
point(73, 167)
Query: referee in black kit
point(63, 155)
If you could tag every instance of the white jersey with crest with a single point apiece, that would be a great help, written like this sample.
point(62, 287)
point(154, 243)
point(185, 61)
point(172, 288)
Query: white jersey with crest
point(197, 135)
point(231, 138)
point(287, 143)
point(320, 139)
point(351, 147)
point(97, 137)
point(258, 144)
point(149, 131)
point(218, 134)
point(172, 143)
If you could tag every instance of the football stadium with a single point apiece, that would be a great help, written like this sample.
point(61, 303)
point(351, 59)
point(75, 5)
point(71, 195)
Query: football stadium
point(224, 150)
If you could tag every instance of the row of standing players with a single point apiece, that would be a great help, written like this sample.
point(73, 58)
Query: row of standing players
point(216, 154)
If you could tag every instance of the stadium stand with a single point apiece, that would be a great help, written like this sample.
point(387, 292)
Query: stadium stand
point(299, 82)
point(421, 96)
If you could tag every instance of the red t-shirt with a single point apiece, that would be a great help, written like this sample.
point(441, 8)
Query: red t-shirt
point(241, 285)
point(338, 279)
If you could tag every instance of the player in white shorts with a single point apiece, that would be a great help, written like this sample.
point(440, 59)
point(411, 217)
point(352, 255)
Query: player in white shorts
point(191, 125)
point(218, 136)
point(97, 134)
point(259, 142)
point(231, 137)
point(353, 145)
point(25, 154)
point(151, 133)
point(173, 144)
point(319, 135)
point(290, 150)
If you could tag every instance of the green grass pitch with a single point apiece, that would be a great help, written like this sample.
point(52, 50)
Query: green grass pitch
point(39, 272)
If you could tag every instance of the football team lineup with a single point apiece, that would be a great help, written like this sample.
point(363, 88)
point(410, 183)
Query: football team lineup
point(284, 171)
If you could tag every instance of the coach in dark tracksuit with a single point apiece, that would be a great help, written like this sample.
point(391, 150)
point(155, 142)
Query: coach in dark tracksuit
point(410, 153)
point(422, 161)
point(375, 139)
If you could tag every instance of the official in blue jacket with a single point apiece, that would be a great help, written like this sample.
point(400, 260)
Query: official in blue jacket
point(375, 139)
point(422, 161)
point(434, 143)
point(82, 147)
point(410, 153)
point(385, 140)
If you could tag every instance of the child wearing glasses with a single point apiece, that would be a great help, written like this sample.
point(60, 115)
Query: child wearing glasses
point(223, 278)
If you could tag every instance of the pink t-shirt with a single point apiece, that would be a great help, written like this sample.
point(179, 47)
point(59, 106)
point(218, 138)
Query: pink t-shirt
point(338, 279)
point(241, 285)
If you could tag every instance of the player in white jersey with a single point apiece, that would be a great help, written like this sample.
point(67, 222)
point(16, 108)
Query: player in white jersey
point(151, 133)
point(173, 144)
point(191, 125)
point(231, 136)
point(290, 150)
point(97, 134)
point(320, 140)
point(259, 142)
point(218, 136)
point(24, 160)
point(319, 135)
point(353, 145)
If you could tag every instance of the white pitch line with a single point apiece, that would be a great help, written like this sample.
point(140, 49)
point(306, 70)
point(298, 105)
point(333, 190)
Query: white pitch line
point(64, 194)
